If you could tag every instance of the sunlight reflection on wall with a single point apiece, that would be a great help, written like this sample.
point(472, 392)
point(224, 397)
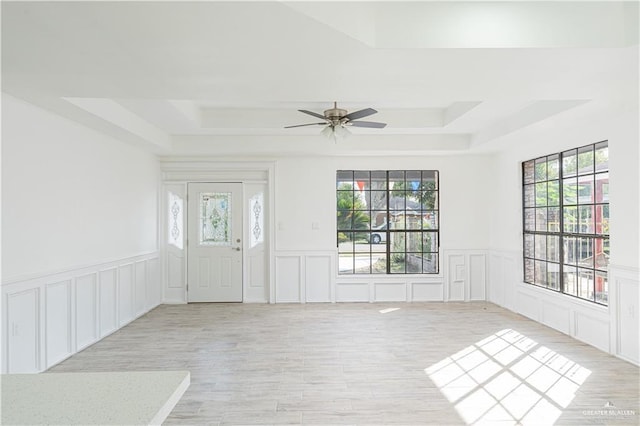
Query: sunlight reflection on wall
point(508, 378)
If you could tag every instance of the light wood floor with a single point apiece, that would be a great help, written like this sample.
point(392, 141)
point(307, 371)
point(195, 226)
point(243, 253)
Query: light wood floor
point(411, 364)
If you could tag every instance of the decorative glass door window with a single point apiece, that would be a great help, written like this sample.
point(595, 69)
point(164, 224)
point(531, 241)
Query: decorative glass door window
point(215, 219)
point(257, 219)
point(176, 207)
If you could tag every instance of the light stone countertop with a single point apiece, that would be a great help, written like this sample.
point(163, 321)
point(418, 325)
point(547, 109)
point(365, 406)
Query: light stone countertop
point(120, 398)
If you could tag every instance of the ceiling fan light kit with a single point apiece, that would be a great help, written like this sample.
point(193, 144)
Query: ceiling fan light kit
point(336, 119)
point(341, 132)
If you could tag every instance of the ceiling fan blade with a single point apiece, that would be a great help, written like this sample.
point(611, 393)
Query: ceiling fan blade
point(360, 114)
point(371, 124)
point(302, 125)
point(315, 114)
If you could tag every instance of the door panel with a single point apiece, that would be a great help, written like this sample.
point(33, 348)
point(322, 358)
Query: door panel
point(214, 271)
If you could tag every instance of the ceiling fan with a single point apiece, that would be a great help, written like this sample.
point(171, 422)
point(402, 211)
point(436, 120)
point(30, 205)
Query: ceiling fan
point(336, 120)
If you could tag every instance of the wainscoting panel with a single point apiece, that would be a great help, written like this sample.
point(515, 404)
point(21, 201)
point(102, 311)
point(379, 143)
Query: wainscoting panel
point(496, 279)
point(556, 316)
point(317, 278)
point(592, 329)
point(57, 322)
point(625, 286)
point(390, 291)
point(583, 320)
point(311, 277)
point(22, 345)
point(140, 288)
point(457, 273)
point(529, 306)
point(477, 276)
point(125, 293)
point(502, 273)
point(511, 268)
point(427, 292)
point(154, 284)
point(614, 328)
point(108, 301)
point(628, 319)
point(86, 310)
point(352, 292)
point(288, 279)
point(465, 274)
point(50, 317)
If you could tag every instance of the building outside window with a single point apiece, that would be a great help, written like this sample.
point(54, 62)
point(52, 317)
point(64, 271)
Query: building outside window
point(566, 222)
point(388, 221)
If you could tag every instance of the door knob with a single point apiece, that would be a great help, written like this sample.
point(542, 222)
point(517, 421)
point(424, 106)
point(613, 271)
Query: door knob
point(237, 248)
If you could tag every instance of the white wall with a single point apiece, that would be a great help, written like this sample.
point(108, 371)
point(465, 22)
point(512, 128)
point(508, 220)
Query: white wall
point(614, 328)
point(305, 264)
point(79, 236)
point(305, 193)
point(71, 196)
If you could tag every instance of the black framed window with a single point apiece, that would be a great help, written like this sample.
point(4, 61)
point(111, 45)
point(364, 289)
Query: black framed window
point(388, 221)
point(566, 222)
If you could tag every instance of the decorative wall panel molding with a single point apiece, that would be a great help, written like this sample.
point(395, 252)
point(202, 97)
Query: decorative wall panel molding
point(477, 276)
point(304, 276)
point(153, 284)
point(556, 316)
point(614, 328)
point(311, 276)
point(502, 270)
point(353, 292)
point(21, 343)
point(108, 301)
point(86, 308)
point(592, 329)
point(317, 278)
point(140, 288)
point(529, 306)
point(50, 317)
point(126, 295)
point(426, 292)
point(288, 279)
point(390, 291)
point(624, 295)
point(465, 275)
point(57, 322)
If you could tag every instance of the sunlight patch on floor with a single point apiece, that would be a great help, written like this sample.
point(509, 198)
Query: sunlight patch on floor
point(508, 378)
point(386, 311)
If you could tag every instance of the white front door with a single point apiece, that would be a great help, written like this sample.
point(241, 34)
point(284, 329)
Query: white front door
point(214, 271)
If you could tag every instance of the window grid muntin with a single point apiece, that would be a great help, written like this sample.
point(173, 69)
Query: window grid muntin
point(385, 190)
point(533, 175)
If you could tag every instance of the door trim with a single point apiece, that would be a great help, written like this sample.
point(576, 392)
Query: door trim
point(177, 172)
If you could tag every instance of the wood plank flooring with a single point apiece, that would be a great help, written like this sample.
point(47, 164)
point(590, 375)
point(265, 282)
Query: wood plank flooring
point(392, 363)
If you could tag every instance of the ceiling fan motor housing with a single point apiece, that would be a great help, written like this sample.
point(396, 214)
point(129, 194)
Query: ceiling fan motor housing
point(334, 115)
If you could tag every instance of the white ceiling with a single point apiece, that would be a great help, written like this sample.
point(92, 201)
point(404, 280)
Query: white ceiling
point(226, 77)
